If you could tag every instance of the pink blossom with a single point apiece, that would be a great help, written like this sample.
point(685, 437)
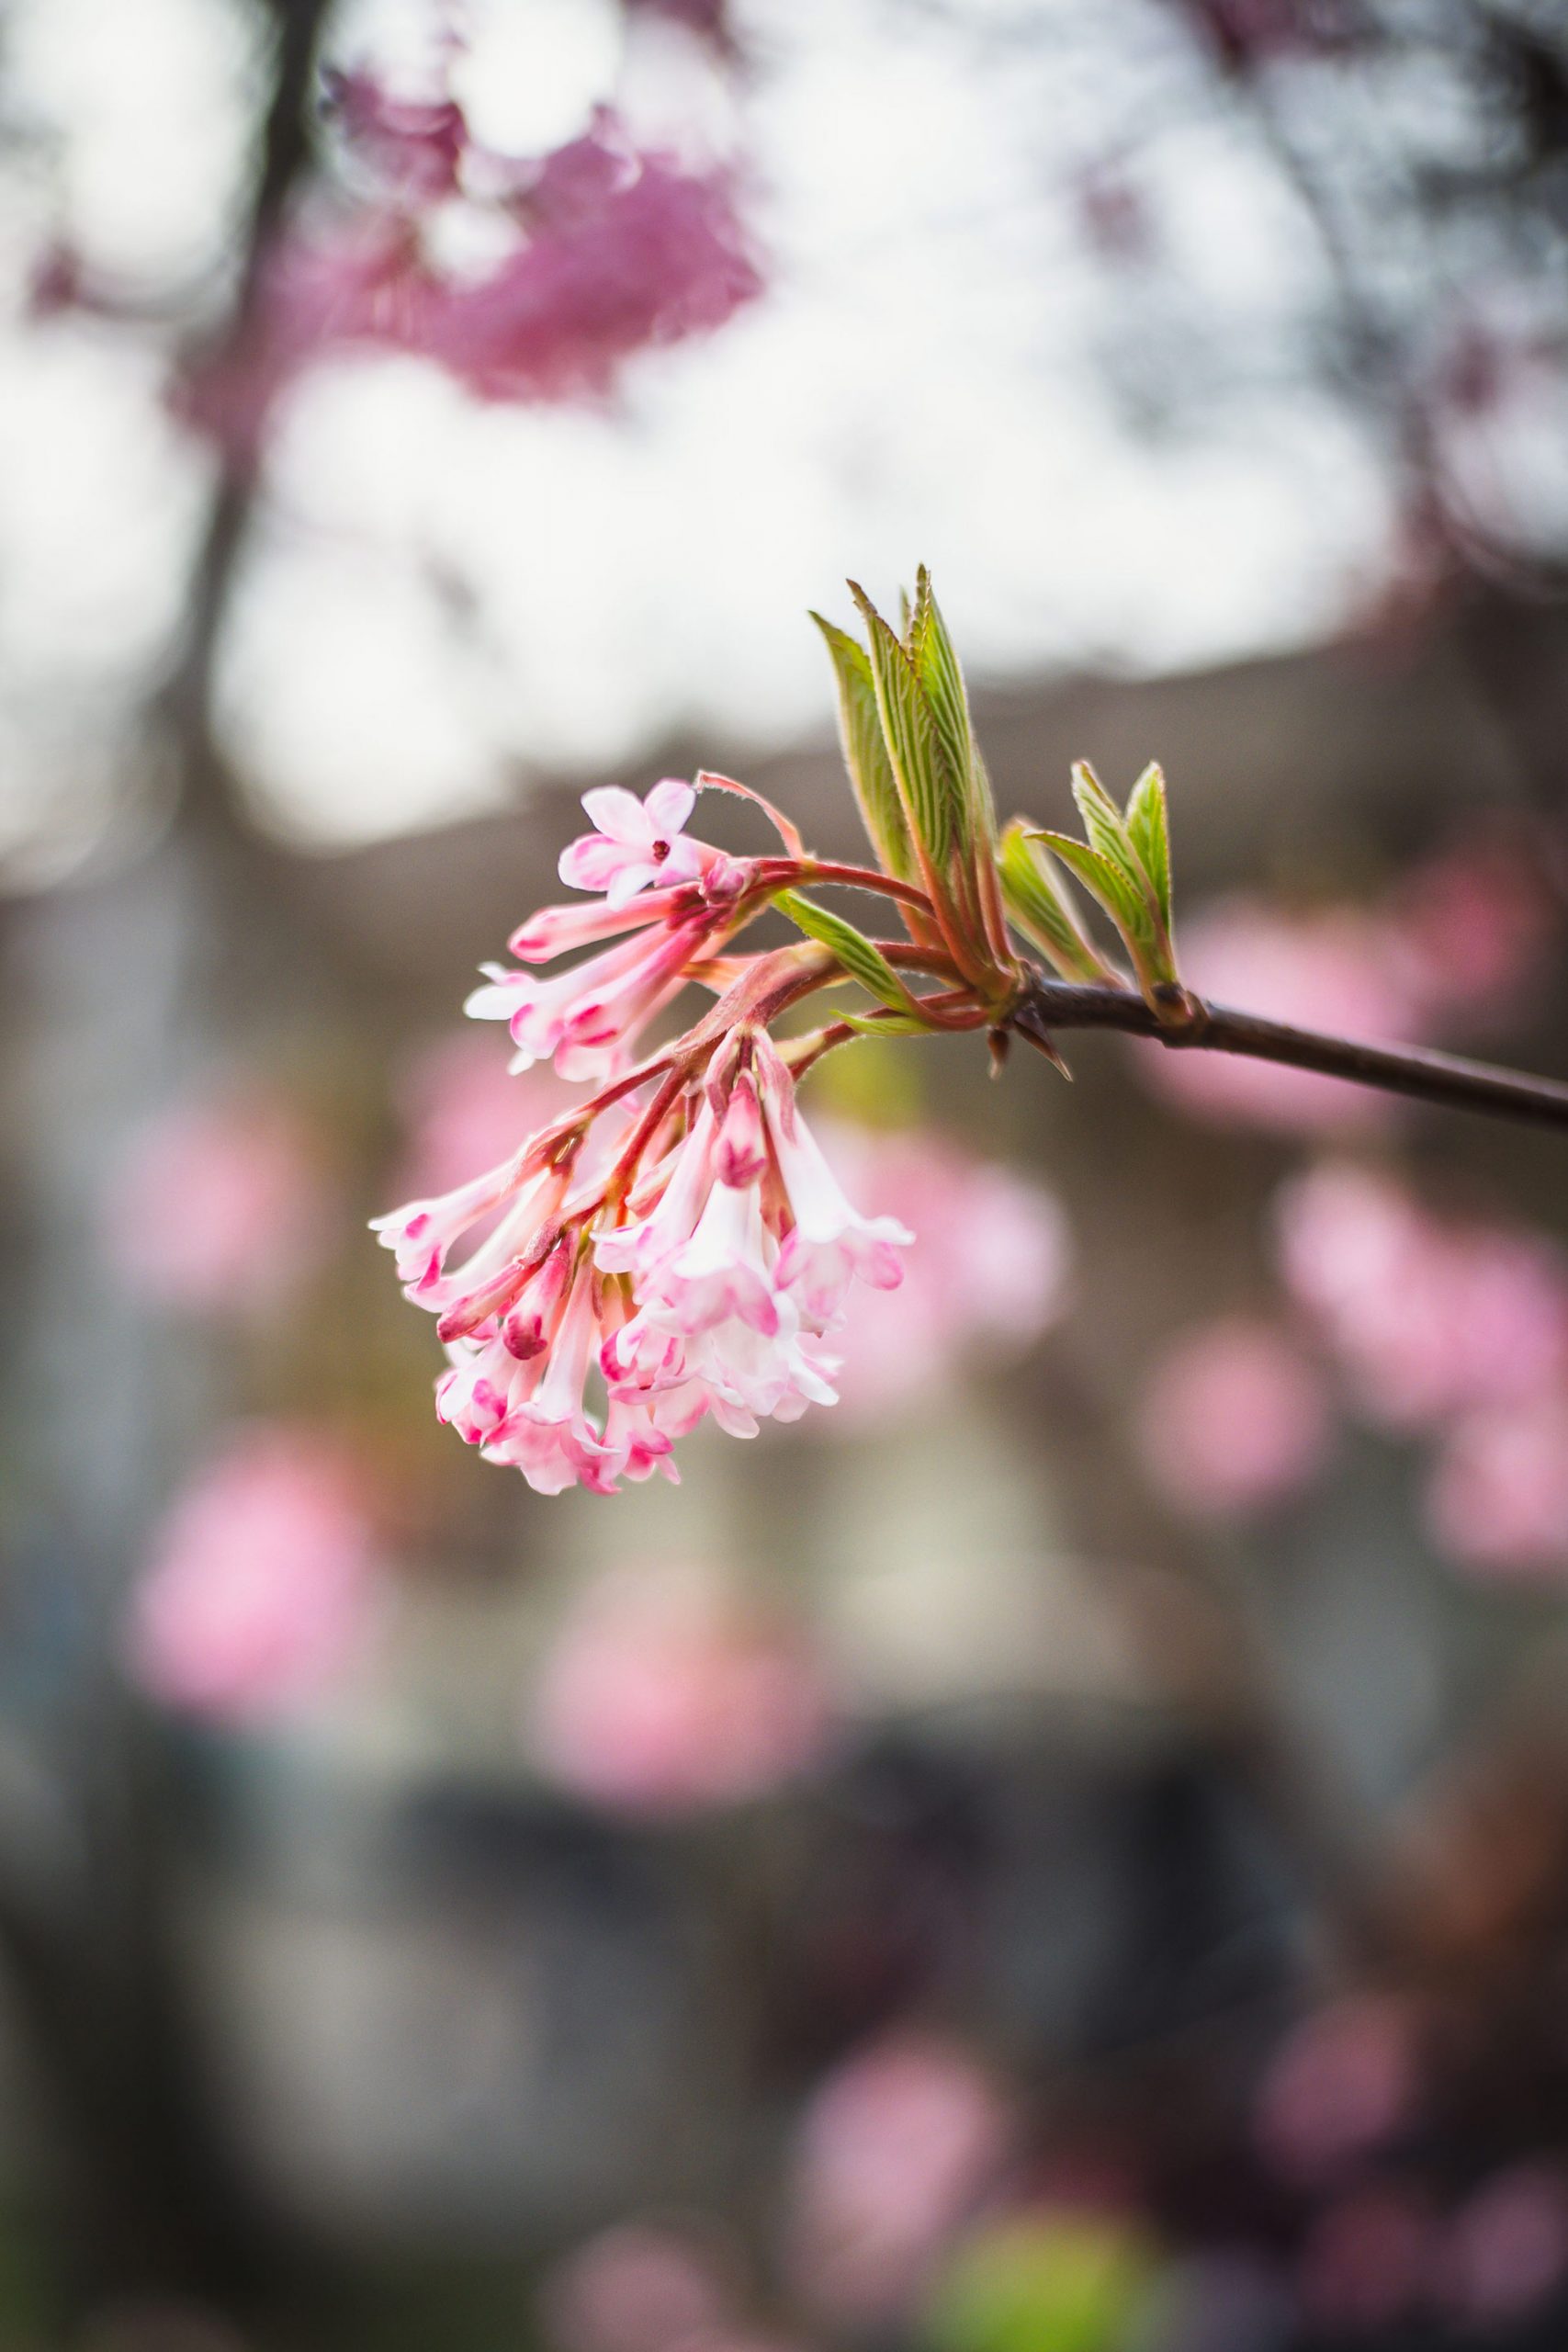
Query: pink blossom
point(555, 930)
point(638, 842)
point(219, 1206)
point(985, 1276)
point(545, 1430)
point(1428, 1316)
point(422, 1234)
point(1507, 2248)
point(896, 2151)
point(1343, 2082)
point(588, 1019)
point(1498, 1496)
point(1330, 970)
point(829, 1243)
point(1233, 1417)
point(734, 1289)
point(661, 1693)
point(259, 1586)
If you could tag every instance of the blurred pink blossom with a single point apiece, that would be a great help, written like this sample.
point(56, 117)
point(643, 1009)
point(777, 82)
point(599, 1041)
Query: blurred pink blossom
point(1471, 928)
point(1341, 2083)
point(1233, 1416)
point(636, 2288)
point(896, 2152)
point(462, 1109)
point(984, 1276)
point(259, 1588)
point(662, 1692)
point(1498, 1496)
point(1368, 2260)
point(1330, 969)
point(591, 253)
point(1428, 1316)
point(219, 1206)
point(1507, 2248)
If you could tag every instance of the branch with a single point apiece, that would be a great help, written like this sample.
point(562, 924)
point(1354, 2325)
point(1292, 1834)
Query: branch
point(1398, 1069)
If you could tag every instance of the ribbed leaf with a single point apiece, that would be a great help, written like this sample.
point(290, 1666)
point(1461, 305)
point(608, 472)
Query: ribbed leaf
point(1038, 903)
point(1122, 900)
point(1148, 827)
point(937, 668)
point(861, 958)
point(887, 1025)
point(1103, 822)
point(866, 753)
point(909, 731)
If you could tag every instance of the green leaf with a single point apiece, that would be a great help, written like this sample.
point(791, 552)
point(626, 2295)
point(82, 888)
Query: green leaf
point(861, 958)
point(1148, 829)
point(909, 728)
point(940, 673)
point(1124, 900)
point(1103, 823)
point(887, 1025)
point(1037, 901)
point(866, 753)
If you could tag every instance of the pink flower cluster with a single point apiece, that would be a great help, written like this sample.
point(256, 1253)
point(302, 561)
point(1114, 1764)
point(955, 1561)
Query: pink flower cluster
point(1452, 1328)
point(593, 252)
point(261, 1581)
point(679, 1244)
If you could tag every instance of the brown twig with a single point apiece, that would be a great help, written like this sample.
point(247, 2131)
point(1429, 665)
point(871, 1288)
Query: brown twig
point(1414, 1070)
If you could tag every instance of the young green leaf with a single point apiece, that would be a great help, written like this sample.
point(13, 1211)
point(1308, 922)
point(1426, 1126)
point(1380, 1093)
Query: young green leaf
point(861, 958)
point(937, 668)
point(1104, 824)
point(1124, 900)
point(887, 1025)
point(866, 753)
point(930, 801)
point(1148, 829)
point(1037, 901)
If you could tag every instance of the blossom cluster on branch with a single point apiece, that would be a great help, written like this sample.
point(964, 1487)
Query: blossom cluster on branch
point(677, 1247)
point(679, 1240)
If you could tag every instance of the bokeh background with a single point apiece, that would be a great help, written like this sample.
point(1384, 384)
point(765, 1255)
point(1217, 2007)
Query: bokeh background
point(1069, 1851)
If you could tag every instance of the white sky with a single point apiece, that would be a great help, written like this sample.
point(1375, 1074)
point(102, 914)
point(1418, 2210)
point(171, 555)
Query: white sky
point(919, 383)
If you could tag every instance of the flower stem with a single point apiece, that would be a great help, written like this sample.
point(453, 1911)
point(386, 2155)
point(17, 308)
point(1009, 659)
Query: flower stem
point(1398, 1069)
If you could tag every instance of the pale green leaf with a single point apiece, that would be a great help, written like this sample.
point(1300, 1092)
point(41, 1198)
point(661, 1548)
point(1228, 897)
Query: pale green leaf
point(1037, 901)
point(1103, 822)
point(860, 957)
point(909, 731)
point(866, 753)
point(1124, 900)
point(1148, 827)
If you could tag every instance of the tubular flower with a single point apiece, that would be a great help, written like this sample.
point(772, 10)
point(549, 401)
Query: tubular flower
point(676, 1248)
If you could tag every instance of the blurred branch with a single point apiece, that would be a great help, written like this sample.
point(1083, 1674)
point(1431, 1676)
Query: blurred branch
point(284, 152)
point(1414, 1070)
